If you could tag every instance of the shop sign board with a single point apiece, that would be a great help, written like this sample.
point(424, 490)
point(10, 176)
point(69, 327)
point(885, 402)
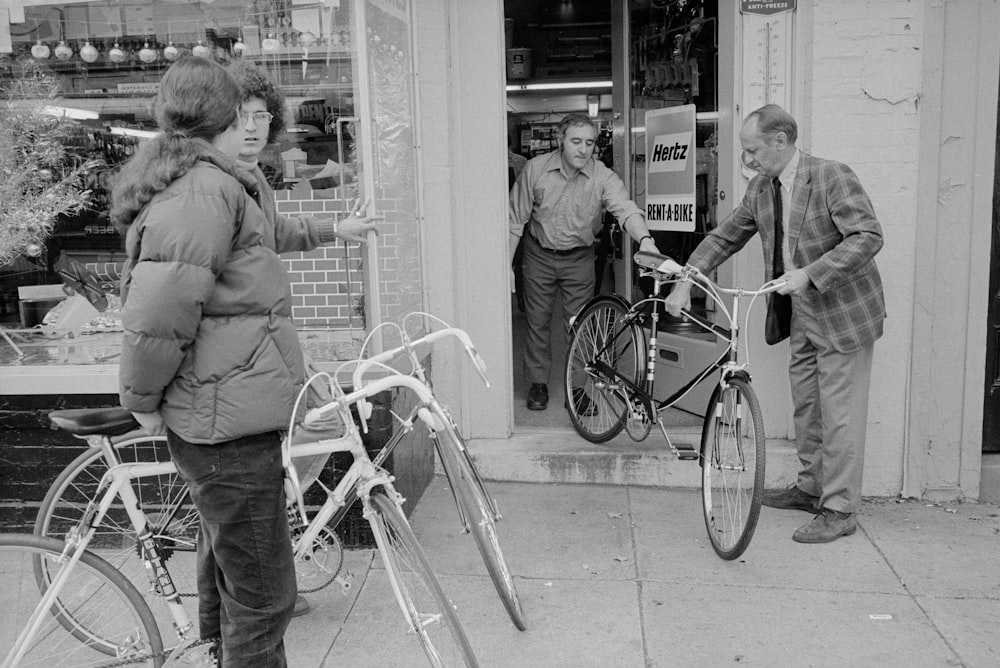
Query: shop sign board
point(670, 168)
point(766, 7)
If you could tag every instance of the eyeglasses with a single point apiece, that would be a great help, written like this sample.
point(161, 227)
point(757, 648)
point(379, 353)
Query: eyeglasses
point(259, 117)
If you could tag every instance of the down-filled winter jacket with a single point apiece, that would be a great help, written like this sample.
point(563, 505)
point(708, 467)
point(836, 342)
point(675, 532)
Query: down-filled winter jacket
point(209, 340)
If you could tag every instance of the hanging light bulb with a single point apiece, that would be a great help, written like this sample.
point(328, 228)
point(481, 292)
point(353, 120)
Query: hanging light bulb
point(63, 52)
point(40, 51)
point(116, 55)
point(200, 50)
point(239, 47)
point(146, 54)
point(171, 52)
point(89, 53)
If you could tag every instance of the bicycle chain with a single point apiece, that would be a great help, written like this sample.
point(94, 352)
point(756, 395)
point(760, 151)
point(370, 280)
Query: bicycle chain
point(340, 565)
point(165, 654)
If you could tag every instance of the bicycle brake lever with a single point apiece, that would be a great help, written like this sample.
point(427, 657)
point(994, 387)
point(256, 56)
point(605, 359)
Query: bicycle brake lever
point(479, 363)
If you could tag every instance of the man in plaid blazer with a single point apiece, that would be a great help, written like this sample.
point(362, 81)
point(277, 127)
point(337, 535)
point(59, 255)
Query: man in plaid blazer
point(825, 251)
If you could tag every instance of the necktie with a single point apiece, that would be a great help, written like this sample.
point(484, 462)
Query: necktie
point(777, 324)
point(778, 263)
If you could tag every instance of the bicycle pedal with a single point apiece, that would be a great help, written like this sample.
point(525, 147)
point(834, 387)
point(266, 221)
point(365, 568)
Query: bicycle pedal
point(686, 452)
point(345, 582)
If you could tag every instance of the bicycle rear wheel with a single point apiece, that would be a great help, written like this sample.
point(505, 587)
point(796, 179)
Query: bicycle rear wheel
point(479, 513)
point(429, 613)
point(173, 519)
point(597, 399)
point(98, 618)
point(732, 467)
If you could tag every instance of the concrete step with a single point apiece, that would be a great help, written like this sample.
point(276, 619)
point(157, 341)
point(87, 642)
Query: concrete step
point(558, 455)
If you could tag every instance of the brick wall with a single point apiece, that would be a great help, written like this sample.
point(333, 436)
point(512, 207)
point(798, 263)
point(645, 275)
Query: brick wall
point(328, 282)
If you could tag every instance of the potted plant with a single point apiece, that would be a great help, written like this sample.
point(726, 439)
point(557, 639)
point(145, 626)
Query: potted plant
point(41, 177)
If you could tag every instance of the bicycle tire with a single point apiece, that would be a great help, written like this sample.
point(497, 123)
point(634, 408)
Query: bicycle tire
point(733, 463)
point(429, 613)
point(110, 618)
point(173, 519)
point(598, 405)
point(479, 513)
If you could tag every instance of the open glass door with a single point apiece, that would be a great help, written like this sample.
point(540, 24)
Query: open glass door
point(668, 55)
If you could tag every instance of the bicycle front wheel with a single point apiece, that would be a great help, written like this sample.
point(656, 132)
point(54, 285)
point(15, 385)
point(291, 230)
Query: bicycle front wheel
point(173, 519)
point(604, 350)
point(479, 514)
point(429, 613)
point(732, 467)
point(98, 618)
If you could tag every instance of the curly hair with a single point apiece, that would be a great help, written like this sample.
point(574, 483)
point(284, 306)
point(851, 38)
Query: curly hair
point(255, 83)
point(575, 120)
point(197, 101)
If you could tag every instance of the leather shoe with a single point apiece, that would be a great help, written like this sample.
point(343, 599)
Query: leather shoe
point(826, 527)
point(582, 404)
point(538, 397)
point(792, 498)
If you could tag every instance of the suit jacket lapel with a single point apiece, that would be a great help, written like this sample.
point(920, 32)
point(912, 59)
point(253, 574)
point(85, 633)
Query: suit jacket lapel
point(800, 201)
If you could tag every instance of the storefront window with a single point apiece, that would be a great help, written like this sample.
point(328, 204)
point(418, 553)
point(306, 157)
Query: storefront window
point(345, 68)
point(674, 61)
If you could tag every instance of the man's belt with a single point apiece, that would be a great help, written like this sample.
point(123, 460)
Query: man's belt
point(557, 251)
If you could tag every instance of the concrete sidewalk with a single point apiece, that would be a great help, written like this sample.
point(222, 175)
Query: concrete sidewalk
point(624, 576)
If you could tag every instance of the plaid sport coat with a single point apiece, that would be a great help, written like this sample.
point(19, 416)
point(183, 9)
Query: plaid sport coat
point(833, 235)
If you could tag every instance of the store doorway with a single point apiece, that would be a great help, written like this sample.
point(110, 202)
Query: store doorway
point(614, 60)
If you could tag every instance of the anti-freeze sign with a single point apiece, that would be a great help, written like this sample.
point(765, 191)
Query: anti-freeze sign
point(670, 163)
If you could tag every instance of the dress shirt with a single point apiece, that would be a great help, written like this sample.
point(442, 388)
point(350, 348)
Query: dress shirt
point(516, 161)
point(787, 179)
point(564, 212)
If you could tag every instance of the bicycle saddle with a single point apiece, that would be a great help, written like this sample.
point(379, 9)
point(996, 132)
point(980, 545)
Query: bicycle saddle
point(657, 262)
point(87, 421)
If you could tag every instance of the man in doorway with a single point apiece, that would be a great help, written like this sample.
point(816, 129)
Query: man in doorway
point(557, 205)
point(820, 235)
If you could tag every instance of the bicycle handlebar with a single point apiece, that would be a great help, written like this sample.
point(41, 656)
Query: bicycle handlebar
point(663, 264)
point(316, 415)
point(477, 361)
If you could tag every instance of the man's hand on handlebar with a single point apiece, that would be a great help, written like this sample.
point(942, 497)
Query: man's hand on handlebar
point(679, 298)
point(796, 282)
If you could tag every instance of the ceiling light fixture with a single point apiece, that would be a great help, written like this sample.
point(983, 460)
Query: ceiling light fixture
point(558, 85)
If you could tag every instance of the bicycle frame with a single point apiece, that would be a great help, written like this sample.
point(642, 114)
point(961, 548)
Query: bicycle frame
point(727, 364)
point(362, 476)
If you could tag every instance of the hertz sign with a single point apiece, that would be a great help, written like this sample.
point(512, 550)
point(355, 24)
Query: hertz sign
point(670, 169)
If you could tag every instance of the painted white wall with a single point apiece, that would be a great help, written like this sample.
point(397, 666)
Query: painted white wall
point(952, 242)
point(901, 91)
point(463, 151)
point(861, 91)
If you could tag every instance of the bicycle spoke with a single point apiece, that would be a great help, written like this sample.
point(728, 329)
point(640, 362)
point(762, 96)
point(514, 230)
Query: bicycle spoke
point(732, 468)
point(606, 349)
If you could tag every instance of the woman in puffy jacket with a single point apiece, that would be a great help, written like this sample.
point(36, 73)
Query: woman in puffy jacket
point(210, 351)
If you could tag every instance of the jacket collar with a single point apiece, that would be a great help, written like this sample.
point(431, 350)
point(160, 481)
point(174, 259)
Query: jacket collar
point(229, 165)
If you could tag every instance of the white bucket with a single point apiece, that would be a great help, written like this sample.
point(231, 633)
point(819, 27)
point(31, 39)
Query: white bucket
point(518, 63)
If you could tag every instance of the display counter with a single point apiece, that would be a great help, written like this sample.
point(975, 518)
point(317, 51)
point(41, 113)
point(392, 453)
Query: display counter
point(88, 363)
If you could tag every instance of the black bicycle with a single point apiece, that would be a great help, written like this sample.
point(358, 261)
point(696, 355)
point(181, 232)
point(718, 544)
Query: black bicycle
point(610, 375)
